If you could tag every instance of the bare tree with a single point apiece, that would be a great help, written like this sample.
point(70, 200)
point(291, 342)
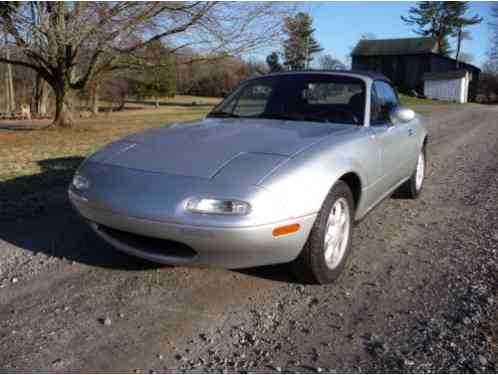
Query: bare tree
point(94, 96)
point(331, 63)
point(39, 103)
point(70, 44)
point(492, 62)
point(10, 104)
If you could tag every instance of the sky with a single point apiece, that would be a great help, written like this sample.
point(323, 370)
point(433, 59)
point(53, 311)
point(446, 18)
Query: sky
point(339, 25)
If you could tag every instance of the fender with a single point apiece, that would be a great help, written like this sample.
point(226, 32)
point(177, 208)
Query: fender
point(303, 182)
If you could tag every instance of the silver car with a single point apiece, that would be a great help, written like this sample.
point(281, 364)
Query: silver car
point(278, 172)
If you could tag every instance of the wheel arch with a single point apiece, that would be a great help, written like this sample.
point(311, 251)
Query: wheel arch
point(425, 141)
point(353, 180)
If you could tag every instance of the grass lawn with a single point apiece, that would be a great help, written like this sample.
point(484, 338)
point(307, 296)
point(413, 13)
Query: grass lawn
point(36, 166)
point(410, 101)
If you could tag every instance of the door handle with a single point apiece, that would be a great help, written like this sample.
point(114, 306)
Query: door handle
point(410, 132)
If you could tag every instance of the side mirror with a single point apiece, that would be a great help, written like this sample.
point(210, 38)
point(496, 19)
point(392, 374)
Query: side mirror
point(401, 114)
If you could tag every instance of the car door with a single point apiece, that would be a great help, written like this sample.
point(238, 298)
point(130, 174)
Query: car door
point(395, 140)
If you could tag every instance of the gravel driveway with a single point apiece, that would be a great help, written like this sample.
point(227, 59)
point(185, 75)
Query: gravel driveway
point(419, 294)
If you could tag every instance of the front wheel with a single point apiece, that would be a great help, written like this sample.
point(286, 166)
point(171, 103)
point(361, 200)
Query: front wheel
point(325, 253)
point(412, 188)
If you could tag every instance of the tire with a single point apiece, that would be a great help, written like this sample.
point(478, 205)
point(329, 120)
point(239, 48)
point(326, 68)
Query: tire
point(412, 188)
point(311, 265)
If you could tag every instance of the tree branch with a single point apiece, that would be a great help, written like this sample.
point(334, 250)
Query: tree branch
point(176, 30)
point(45, 74)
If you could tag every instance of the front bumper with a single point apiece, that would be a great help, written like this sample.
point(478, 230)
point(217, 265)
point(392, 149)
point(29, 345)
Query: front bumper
point(225, 247)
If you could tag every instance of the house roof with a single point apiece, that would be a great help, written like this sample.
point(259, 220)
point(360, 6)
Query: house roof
point(405, 46)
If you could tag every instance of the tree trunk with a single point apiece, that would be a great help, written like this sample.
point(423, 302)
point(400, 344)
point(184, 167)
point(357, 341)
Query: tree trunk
point(43, 99)
point(39, 101)
point(63, 109)
point(9, 85)
point(6, 93)
point(122, 102)
point(157, 102)
point(12, 95)
point(94, 108)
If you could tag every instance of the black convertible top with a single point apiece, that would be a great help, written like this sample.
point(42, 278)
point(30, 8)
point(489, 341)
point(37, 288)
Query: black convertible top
point(369, 74)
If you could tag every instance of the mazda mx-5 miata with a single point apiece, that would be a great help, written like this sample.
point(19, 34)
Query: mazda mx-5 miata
point(278, 172)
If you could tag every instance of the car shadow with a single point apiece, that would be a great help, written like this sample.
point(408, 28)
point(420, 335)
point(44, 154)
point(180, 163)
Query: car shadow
point(278, 272)
point(36, 216)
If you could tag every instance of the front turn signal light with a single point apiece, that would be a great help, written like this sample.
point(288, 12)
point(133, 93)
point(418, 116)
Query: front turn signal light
point(286, 229)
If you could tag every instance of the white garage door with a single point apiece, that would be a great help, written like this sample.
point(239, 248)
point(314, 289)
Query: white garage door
point(446, 89)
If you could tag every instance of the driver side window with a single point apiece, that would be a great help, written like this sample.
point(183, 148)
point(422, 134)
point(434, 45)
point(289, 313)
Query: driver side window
point(252, 102)
point(384, 99)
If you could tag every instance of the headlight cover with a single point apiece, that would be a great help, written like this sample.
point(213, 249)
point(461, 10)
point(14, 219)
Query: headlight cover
point(218, 206)
point(80, 183)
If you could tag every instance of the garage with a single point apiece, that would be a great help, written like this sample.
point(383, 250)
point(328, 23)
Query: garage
point(451, 86)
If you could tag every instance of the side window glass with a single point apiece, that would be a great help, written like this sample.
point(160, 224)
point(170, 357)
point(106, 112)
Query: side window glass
point(386, 100)
point(390, 94)
point(375, 108)
point(253, 100)
point(331, 93)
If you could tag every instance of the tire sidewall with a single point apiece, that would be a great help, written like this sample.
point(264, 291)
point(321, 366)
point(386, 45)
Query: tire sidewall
point(413, 180)
point(323, 273)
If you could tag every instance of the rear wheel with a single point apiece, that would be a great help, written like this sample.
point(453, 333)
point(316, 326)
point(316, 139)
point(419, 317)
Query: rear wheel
point(328, 247)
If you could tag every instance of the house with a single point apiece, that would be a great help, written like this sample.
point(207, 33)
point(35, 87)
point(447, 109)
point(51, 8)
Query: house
point(408, 62)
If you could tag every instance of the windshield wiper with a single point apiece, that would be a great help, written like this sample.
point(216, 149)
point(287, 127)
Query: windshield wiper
point(314, 118)
point(223, 114)
point(278, 116)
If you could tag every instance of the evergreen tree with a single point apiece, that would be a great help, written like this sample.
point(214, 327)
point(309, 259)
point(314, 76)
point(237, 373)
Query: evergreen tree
point(441, 20)
point(158, 79)
point(459, 9)
point(300, 45)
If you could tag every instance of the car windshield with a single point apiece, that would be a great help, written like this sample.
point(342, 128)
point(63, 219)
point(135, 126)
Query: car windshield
point(298, 97)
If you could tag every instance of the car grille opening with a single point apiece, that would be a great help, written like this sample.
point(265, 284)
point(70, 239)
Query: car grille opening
point(148, 244)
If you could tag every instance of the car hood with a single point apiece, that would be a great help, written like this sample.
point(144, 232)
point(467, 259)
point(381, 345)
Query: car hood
point(203, 148)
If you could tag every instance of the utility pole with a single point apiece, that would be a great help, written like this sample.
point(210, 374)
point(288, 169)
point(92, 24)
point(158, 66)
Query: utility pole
point(307, 53)
point(459, 46)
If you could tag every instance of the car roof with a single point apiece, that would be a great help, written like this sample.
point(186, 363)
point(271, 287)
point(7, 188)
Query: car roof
point(353, 72)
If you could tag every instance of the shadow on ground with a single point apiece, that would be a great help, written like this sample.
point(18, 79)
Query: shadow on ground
point(277, 272)
point(36, 215)
point(34, 124)
point(192, 104)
